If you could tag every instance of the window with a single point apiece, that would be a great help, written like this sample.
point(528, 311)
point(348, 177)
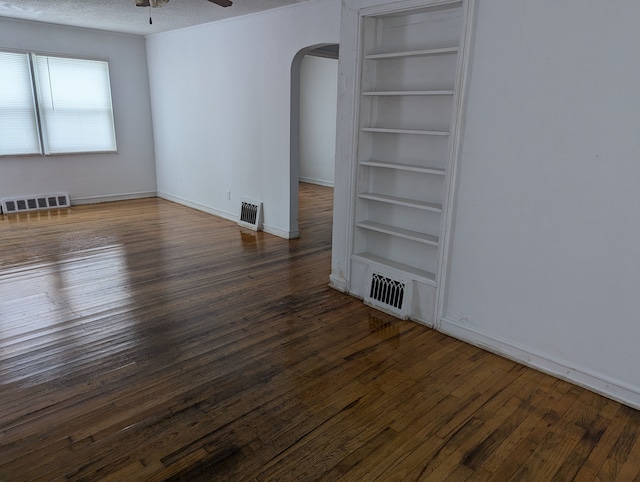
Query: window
point(54, 105)
point(18, 127)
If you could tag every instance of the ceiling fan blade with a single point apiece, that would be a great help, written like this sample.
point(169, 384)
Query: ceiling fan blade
point(151, 3)
point(222, 3)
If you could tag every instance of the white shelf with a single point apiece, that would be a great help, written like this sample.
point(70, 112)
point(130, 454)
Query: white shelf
point(409, 66)
point(400, 232)
point(404, 167)
point(409, 92)
point(405, 131)
point(413, 53)
point(437, 208)
point(420, 274)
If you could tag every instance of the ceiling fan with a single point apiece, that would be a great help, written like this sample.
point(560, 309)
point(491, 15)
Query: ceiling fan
point(160, 3)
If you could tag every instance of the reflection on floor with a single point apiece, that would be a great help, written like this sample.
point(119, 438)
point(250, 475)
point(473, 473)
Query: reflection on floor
point(143, 340)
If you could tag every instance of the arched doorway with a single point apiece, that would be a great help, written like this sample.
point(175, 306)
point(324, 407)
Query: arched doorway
point(326, 51)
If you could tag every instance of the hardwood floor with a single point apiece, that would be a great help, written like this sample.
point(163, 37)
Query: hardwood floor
point(143, 340)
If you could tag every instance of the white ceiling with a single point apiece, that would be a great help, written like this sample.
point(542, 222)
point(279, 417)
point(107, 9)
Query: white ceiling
point(124, 16)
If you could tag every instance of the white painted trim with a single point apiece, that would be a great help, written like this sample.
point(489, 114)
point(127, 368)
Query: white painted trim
point(354, 141)
point(280, 233)
point(198, 206)
point(451, 176)
point(319, 182)
point(225, 215)
point(423, 321)
point(77, 201)
point(336, 283)
point(544, 362)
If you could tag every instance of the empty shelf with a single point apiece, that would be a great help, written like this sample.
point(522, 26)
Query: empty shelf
point(406, 131)
point(400, 232)
point(425, 276)
point(413, 53)
point(409, 92)
point(402, 201)
point(404, 167)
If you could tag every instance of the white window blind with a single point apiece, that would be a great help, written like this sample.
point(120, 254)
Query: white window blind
point(54, 105)
point(74, 97)
point(18, 127)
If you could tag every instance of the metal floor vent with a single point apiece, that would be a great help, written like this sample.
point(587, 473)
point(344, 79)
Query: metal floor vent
point(250, 214)
point(388, 294)
point(35, 203)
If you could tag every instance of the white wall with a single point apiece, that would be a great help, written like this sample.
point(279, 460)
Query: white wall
point(221, 96)
point(545, 258)
point(90, 177)
point(318, 102)
point(545, 254)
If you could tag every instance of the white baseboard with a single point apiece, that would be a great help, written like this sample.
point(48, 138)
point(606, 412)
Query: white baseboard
point(319, 182)
point(338, 283)
point(225, 215)
point(198, 206)
point(562, 369)
point(77, 201)
point(280, 233)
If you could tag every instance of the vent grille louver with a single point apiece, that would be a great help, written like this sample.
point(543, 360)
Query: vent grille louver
point(387, 290)
point(35, 203)
point(250, 214)
point(389, 293)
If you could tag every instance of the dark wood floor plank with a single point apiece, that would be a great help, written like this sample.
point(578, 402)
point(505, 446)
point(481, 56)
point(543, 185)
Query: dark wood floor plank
point(142, 340)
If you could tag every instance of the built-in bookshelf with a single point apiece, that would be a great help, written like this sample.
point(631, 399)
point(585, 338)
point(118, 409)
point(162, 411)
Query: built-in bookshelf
point(410, 68)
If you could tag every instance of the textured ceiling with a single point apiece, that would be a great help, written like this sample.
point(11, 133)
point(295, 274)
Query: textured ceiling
point(124, 16)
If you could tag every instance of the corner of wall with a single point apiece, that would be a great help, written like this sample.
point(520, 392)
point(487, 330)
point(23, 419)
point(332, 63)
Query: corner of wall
point(543, 362)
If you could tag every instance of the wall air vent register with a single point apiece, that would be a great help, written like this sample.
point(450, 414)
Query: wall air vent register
point(35, 203)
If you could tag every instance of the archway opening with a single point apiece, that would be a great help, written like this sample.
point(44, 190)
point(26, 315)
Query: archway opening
point(313, 121)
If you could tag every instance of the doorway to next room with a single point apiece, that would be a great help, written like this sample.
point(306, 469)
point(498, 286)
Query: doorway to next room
point(314, 83)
